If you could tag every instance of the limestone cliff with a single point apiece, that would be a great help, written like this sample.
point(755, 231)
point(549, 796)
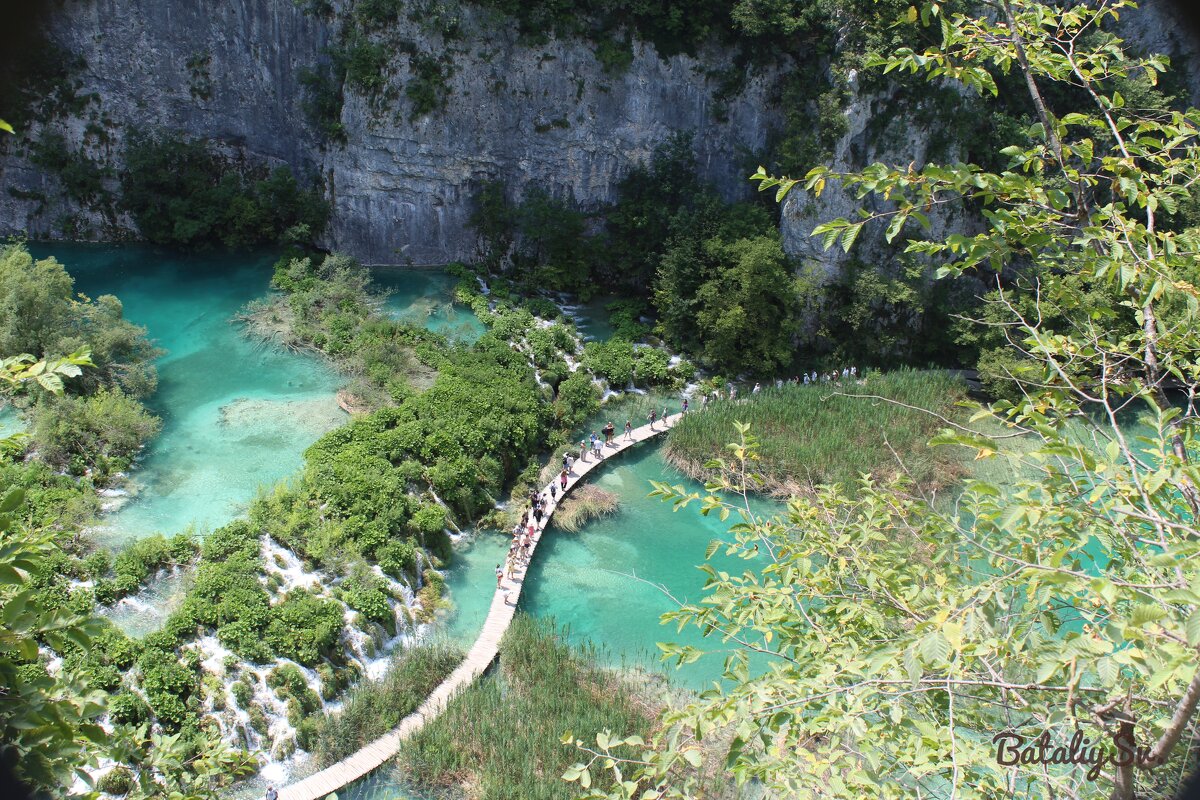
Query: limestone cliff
point(401, 184)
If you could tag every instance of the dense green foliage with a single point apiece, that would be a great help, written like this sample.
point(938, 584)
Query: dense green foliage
point(50, 717)
point(503, 735)
point(99, 434)
point(722, 286)
point(375, 707)
point(832, 433)
point(543, 239)
point(725, 291)
point(99, 425)
point(1060, 602)
point(640, 224)
point(41, 314)
point(181, 191)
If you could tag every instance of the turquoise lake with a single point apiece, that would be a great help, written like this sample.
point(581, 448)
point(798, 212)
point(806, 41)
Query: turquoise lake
point(236, 414)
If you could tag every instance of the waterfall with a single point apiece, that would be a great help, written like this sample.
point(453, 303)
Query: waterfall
point(420, 573)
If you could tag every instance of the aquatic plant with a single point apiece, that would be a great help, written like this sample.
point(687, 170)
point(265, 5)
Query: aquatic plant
point(373, 708)
point(584, 504)
point(502, 736)
point(830, 432)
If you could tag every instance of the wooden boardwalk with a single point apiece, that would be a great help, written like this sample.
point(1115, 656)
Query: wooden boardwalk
point(479, 657)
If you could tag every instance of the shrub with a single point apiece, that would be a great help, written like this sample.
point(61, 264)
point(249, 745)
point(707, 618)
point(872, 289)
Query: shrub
point(612, 360)
point(364, 593)
point(242, 692)
point(127, 708)
point(302, 626)
point(181, 192)
point(118, 780)
point(101, 433)
point(398, 557)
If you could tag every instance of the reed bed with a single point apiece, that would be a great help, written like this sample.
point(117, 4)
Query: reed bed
point(375, 707)
point(500, 738)
point(584, 504)
point(824, 434)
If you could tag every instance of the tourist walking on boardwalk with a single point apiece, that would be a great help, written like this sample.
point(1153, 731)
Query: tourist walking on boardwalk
point(628, 429)
point(596, 447)
point(665, 415)
point(272, 794)
point(583, 450)
point(566, 461)
point(562, 480)
point(553, 492)
point(499, 576)
point(609, 431)
point(685, 405)
point(653, 417)
point(757, 388)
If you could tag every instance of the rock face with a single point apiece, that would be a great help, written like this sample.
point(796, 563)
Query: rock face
point(401, 185)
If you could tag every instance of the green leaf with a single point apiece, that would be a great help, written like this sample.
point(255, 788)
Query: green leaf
point(12, 500)
point(1193, 628)
point(935, 649)
point(1144, 613)
point(1046, 671)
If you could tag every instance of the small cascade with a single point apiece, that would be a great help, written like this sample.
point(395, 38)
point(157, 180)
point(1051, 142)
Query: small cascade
point(284, 565)
point(113, 499)
point(147, 611)
point(449, 512)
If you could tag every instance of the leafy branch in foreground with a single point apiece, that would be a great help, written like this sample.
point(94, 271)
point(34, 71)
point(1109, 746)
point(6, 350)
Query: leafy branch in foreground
point(899, 636)
point(25, 368)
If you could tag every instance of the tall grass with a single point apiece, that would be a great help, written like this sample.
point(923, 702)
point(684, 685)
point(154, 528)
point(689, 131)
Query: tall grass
point(819, 434)
point(584, 504)
point(501, 737)
point(375, 707)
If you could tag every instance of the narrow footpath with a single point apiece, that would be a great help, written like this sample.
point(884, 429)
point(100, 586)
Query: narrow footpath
point(481, 654)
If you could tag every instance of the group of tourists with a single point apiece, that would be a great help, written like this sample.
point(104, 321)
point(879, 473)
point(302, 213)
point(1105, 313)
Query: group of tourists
point(805, 379)
point(521, 547)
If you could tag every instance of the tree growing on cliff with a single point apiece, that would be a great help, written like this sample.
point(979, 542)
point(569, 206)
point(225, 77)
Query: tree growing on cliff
point(910, 644)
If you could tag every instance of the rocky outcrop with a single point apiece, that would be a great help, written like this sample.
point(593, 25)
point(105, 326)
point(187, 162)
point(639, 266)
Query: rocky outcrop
point(401, 185)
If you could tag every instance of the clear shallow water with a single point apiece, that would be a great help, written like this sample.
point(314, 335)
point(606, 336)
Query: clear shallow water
point(236, 415)
point(10, 421)
point(425, 297)
point(592, 318)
